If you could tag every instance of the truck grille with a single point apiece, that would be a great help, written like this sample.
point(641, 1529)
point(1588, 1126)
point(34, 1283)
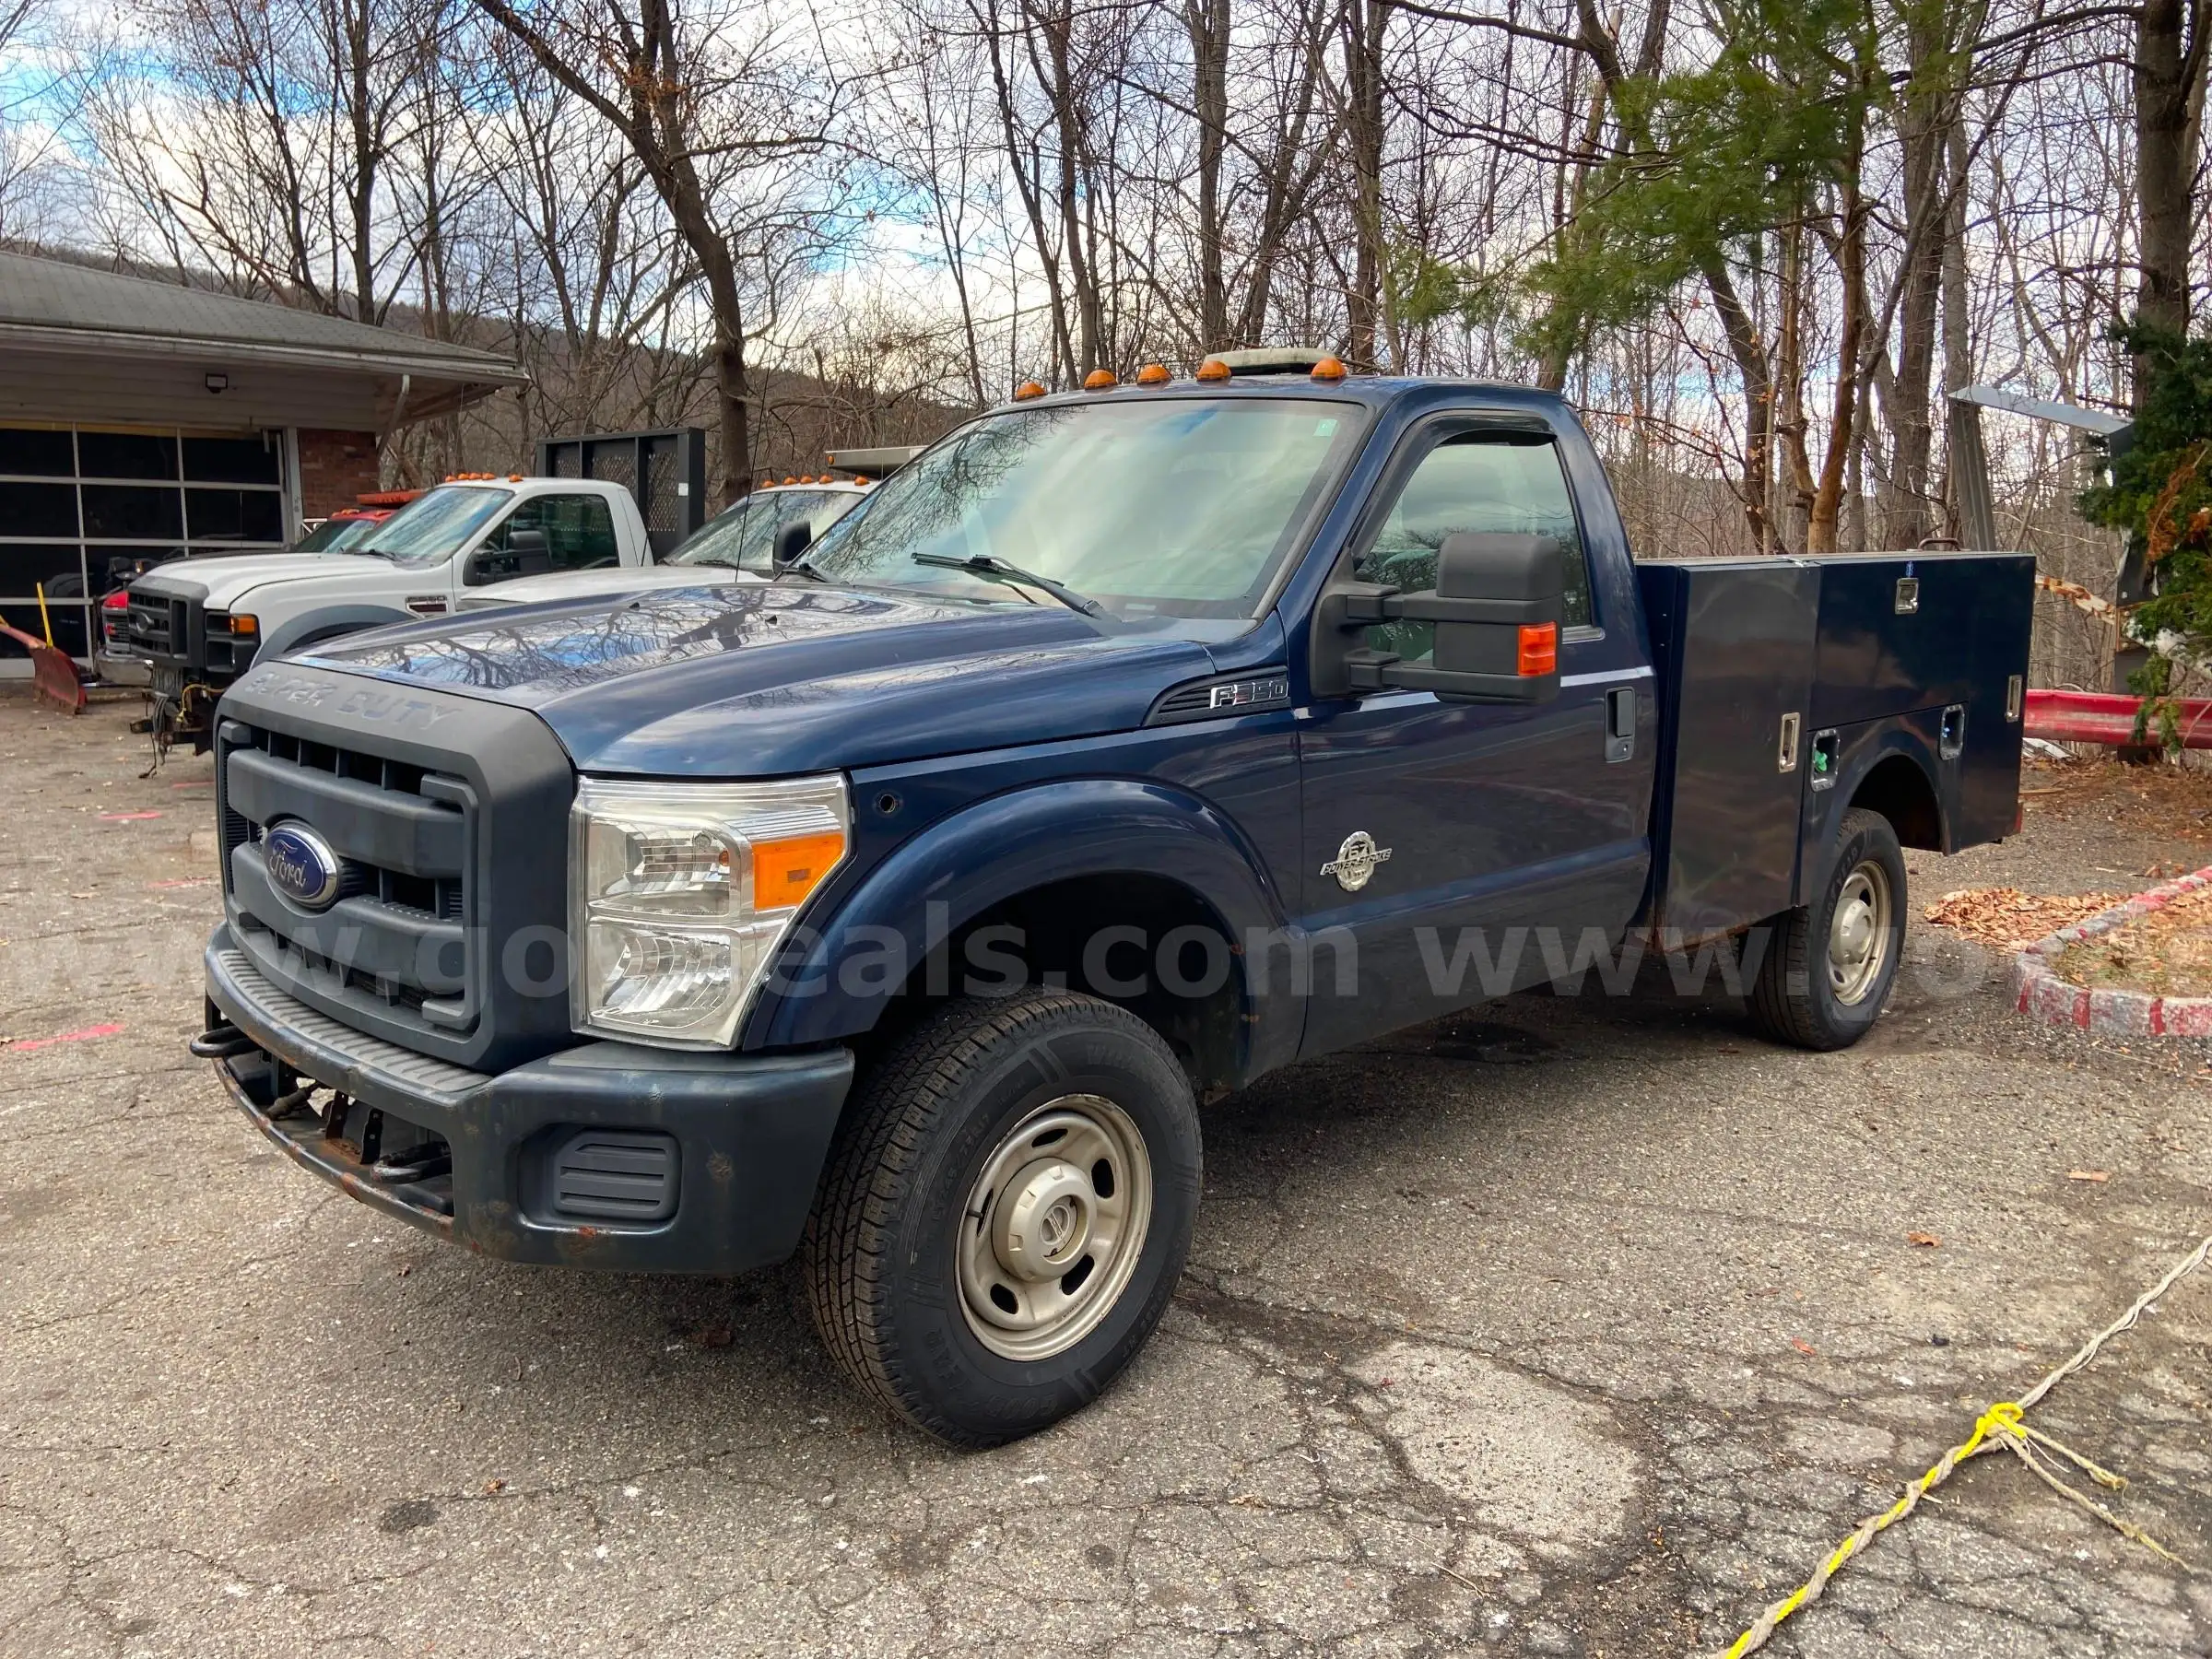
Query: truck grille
point(155, 626)
point(396, 938)
point(447, 818)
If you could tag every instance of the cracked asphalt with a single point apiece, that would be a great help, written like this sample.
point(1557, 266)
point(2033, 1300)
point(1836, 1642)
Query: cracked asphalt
point(1572, 1326)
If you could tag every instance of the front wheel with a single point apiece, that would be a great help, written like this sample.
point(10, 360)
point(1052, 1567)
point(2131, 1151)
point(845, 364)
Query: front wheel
point(1828, 967)
point(1006, 1213)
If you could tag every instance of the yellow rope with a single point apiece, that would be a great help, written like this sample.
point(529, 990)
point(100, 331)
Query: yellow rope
point(2005, 1424)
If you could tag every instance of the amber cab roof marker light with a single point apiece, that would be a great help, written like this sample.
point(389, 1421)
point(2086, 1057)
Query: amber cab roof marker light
point(1100, 380)
point(1213, 368)
point(1027, 390)
point(1328, 368)
point(1153, 374)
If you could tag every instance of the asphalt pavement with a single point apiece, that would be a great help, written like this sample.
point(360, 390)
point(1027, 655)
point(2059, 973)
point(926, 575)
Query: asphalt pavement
point(1577, 1325)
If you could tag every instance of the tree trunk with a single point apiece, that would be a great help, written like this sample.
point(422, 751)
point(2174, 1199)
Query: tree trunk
point(1929, 115)
point(1958, 342)
point(1751, 354)
point(2169, 74)
point(1020, 158)
point(1207, 23)
point(1821, 534)
point(1057, 71)
point(1789, 388)
point(1365, 24)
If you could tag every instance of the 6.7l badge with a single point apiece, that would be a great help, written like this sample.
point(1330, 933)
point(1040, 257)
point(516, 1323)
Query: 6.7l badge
point(1356, 861)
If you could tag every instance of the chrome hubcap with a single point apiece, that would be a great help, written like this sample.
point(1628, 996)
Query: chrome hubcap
point(1053, 1227)
point(1859, 933)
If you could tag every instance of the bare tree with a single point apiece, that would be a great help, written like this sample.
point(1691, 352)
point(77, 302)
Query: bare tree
point(694, 105)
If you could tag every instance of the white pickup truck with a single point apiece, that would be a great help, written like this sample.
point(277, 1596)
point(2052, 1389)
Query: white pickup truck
point(200, 623)
point(735, 546)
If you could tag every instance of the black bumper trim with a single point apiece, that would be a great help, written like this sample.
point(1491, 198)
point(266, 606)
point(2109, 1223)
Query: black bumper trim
point(752, 1133)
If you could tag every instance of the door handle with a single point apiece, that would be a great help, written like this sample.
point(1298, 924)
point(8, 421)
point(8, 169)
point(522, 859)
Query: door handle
point(1620, 725)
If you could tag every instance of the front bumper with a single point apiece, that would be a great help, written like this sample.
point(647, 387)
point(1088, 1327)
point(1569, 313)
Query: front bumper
point(714, 1157)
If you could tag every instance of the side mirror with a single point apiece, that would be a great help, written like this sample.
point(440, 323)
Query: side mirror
point(524, 554)
point(792, 539)
point(527, 551)
point(1495, 610)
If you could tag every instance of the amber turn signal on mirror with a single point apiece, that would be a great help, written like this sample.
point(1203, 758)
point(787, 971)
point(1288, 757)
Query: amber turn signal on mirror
point(1539, 648)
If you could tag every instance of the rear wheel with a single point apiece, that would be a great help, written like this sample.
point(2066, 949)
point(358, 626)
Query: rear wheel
point(1006, 1213)
point(1828, 967)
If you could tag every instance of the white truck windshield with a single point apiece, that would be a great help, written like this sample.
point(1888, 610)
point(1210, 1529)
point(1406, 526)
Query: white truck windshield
point(1172, 506)
point(744, 537)
point(431, 530)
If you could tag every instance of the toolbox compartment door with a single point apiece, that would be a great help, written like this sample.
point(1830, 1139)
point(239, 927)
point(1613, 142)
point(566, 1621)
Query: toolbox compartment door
point(1923, 672)
point(1901, 632)
point(1914, 633)
point(1733, 644)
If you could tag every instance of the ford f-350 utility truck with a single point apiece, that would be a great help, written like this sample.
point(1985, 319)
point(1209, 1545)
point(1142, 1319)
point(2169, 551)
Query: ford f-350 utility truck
point(199, 623)
point(1129, 745)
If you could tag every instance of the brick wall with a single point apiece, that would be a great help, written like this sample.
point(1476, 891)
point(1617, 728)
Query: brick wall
point(334, 467)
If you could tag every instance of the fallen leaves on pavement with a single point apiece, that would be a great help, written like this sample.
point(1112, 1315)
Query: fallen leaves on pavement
point(2097, 1175)
point(2009, 918)
point(1804, 1348)
point(1926, 1241)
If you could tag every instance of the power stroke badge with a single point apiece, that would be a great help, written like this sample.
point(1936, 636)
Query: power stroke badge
point(1356, 860)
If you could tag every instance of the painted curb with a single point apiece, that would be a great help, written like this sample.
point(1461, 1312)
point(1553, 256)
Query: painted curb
point(2040, 994)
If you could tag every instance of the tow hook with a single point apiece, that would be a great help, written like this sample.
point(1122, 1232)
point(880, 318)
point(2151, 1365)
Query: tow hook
point(433, 1160)
point(221, 1043)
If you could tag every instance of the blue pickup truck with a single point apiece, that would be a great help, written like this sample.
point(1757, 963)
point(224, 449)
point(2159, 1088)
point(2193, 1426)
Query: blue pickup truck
point(1130, 745)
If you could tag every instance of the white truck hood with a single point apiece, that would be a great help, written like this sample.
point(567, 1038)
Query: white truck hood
point(220, 582)
point(587, 584)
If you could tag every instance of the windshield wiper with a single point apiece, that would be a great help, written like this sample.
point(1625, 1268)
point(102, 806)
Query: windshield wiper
point(989, 564)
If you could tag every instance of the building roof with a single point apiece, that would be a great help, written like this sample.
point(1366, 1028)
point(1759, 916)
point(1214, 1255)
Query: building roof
point(50, 304)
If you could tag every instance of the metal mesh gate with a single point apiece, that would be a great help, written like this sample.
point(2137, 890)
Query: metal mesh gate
point(665, 471)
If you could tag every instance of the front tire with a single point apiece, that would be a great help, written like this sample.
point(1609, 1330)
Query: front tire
point(1829, 966)
point(1006, 1213)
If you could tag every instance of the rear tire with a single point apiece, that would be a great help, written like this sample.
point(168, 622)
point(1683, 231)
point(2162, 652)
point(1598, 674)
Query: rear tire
point(1828, 967)
point(959, 1269)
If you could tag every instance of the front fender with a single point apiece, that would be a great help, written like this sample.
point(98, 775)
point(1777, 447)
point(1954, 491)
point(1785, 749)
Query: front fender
point(984, 855)
point(328, 619)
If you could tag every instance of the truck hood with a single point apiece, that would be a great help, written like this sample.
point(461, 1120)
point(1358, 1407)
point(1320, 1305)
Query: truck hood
point(766, 680)
point(219, 582)
point(585, 584)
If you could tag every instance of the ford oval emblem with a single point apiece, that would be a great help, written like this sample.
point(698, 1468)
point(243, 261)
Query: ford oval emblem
point(301, 865)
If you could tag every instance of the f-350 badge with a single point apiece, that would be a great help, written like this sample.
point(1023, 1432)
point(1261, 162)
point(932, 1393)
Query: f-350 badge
point(1356, 861)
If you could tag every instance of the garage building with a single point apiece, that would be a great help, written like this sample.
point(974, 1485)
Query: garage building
point(141, 420)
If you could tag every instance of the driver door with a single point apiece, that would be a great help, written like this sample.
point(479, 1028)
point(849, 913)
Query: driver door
point(1495, 818)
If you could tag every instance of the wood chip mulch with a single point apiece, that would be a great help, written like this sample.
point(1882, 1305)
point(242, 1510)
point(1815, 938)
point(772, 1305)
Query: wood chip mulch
point(2166, 953)
point(2009, 919)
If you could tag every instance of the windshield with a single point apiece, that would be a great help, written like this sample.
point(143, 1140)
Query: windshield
point(743, 538)
point(431, 529)
point(1177, 507)
point(336, 536)
point(320, 538)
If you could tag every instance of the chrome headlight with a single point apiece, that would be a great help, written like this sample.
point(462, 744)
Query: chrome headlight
point(680, 893)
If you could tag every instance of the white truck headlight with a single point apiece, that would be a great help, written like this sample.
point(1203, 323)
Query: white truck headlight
point(680, 893)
